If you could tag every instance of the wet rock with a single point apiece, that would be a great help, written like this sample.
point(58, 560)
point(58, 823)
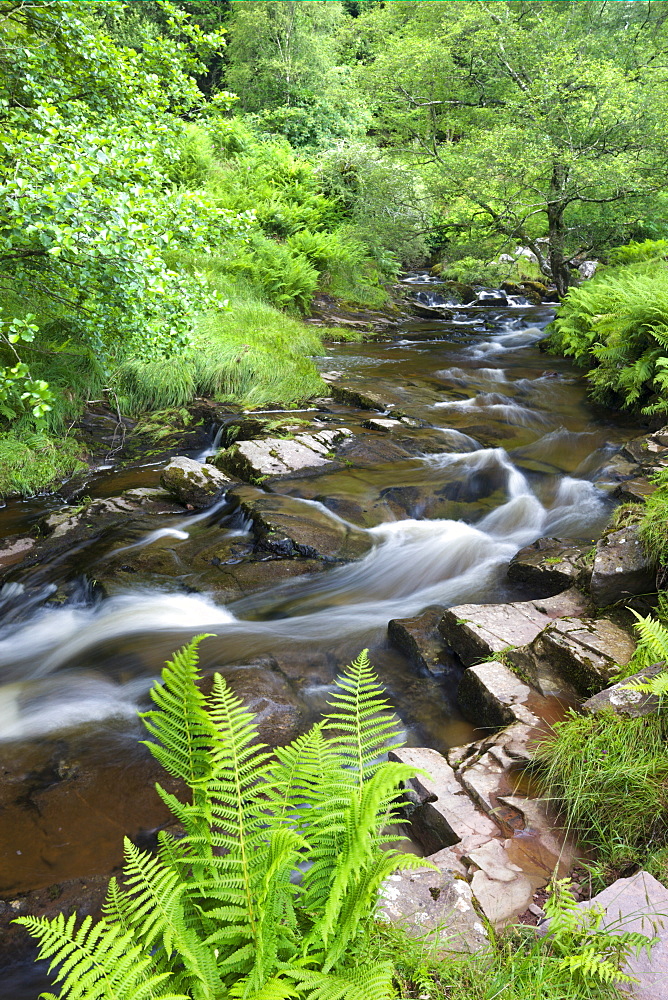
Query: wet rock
point(585, 654)
point(363, 399)
point(548, 566)
point(492, 297)
point(638, 904)
point(384, 424)
point(256, 460)
point(447, 816)
point(568, 604)
point(419, 639)
point(621, 567)
point(646, 451)
point(249, 577)
point(478, 631)
point(635, 490)
point(437, 905)
point(14, 549)
point(286, 527)
point(630, 704)
point(279, 712)
point(193, 483)
point(147, 494)
point(492, 696)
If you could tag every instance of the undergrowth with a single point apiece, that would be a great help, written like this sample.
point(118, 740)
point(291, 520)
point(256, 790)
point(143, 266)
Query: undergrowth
point(609, 776)
point(618, 321)
point(34, 460)
point(653, 530)
point(270, 892)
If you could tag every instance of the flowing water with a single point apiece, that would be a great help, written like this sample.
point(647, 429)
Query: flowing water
point(505, 449)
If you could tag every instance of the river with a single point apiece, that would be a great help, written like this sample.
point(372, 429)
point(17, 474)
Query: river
point(506, 448)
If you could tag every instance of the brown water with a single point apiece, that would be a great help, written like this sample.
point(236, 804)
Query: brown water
point(507, 450)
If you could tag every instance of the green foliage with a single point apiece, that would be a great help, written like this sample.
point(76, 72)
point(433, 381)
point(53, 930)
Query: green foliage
point(586, 946)
point(652, 647)
point(636, 253)
point(619, 319)
point(221, 910)
point(33, 461)
point(653, 530)
point(609, 775)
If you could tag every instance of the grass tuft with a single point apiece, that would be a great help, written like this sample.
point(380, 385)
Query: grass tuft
point(33, 462)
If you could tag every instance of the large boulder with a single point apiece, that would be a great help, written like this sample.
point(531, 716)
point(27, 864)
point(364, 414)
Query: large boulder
point(548, 566)
point(621, 567)
point(193, 483)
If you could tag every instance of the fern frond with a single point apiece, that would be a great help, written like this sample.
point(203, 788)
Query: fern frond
point(181, 724)
point(363, 725)
point(97, 961)
point(370, 983)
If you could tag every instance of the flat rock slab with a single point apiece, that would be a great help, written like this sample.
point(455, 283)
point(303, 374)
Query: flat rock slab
point(451, 816)
point(254, 460)
point(631, 704)
point(621, 568)
point(436, 904)
point(585, 654)
point(479, 631)
point(384, 424)
point(640, 904)
point(492, 696)
point(13, 550)
point(548, 566)
point(287, 527)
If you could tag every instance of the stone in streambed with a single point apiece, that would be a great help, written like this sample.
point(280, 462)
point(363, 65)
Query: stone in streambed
point(259, 459)
point(363, 399)
point(13, 550)
point(621, 567)
point(446, 815)
point(479, 631)
point(548, 566)
point(584, 654)
point(418, 639)
point(287, 527)
point(630, 704)
point(193, 483)
point(635, 490)
point(492, 696)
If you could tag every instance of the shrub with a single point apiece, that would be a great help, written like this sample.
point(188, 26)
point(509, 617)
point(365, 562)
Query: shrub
point(619, 320)
point(635, 252)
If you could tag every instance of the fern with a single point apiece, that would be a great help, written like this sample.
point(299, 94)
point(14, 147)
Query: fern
point(225, 910)
point(585, 945)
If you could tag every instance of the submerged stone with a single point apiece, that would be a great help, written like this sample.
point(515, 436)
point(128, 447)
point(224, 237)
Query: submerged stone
point(287, 527)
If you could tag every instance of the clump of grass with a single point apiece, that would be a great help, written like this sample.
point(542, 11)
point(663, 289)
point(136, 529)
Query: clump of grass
point(32, 462)
point(515, 967)
point(252, 354)
point(653, 529)
point(609, 776)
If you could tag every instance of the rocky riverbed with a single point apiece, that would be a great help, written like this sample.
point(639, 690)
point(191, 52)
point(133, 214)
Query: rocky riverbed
point(444, 505)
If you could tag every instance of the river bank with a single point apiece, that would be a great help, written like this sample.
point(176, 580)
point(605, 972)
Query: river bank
point(436, 457)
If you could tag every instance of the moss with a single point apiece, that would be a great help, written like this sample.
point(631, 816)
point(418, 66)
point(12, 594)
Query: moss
point(33, 462)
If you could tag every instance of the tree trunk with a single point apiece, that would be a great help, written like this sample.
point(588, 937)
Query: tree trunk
point(556, 206)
